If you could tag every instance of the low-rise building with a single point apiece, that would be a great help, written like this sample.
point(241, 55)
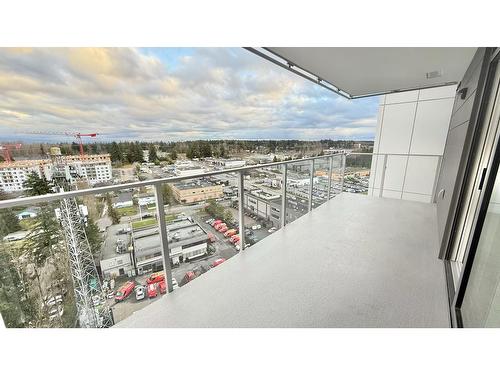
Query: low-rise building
point(186, 241)
point(230, 163)
point(196, 191)
point(116, 255)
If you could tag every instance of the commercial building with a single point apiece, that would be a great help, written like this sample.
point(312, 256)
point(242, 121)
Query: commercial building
point(116, 255)
point(196, 191)
point(92, 168)
point(186, 240)
point(265, 205)
point(230, 163)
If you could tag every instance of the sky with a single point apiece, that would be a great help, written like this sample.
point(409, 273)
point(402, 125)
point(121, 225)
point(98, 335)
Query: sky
point(169, 94)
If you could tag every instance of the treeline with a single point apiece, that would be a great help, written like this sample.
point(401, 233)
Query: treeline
point(129, 152)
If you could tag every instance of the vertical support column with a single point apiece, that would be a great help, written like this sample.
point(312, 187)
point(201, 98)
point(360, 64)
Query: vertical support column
point(343, 162)
point(162, 226)
point(283, 196)
point(330, 169)
point(311, 181)
point(382, 180)
point(241, 210)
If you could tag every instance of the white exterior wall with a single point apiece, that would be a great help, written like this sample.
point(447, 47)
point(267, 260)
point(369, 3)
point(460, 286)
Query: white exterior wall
point(414, 122)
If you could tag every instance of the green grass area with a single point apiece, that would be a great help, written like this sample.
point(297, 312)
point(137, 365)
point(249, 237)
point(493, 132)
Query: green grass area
point(127, 211)
point(143, 223)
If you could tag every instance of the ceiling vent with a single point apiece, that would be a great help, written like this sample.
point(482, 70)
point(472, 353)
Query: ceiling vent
point(434, 74)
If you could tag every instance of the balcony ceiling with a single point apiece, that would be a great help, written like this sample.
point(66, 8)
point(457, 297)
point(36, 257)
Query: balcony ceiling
point(370, 71)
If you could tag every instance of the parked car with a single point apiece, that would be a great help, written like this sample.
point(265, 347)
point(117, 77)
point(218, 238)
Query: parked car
point(155, 278)
point(218, 261)
point(163, 287)
point(211, 237)
point(124, 291)
point(152, 291)
point(140, 292)
point(147, 216)
point(271, 230)
point(174, 283)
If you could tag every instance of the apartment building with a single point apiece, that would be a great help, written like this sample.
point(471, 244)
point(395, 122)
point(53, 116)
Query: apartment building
point(196, 191)
point(92, 168)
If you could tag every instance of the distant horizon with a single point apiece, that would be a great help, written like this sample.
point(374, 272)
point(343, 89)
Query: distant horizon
point(180, 93)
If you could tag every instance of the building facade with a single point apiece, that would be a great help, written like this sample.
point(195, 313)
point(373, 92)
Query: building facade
point(92, 168)
point(196, 191)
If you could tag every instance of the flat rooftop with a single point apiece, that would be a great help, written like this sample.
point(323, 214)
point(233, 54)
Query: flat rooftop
point(193, 185)
point(180, 232)
point(339, 266)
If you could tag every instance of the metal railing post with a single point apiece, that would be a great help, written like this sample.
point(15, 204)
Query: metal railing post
point(241, 212)
point(330, 170)
point(283, 196)
point(382, 180)
point(162, 225)
point(343, 163)
point(311, 181)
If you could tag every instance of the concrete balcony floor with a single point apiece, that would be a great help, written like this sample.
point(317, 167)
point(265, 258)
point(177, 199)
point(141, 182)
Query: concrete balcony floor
point(356, 261)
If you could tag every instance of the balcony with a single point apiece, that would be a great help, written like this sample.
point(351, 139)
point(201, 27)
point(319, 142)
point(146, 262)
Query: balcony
point(335, 259)
point(356, 261)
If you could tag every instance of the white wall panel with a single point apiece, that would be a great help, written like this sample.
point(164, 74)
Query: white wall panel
point(402, 97)
point(438, 93)
point(416, 197)
point(420, 174)
point(397, 128)
point(395, 172)
point(431, 126)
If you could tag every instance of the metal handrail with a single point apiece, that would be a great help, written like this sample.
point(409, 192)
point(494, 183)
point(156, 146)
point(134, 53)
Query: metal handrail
point(9, 203)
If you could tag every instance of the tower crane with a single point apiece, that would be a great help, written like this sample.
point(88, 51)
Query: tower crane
point(77, 135)
point(6, 150)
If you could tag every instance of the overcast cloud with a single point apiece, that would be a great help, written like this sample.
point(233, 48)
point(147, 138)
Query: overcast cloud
point(169, 94)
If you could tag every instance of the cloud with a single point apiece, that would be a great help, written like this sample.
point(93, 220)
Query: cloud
point(169, 94)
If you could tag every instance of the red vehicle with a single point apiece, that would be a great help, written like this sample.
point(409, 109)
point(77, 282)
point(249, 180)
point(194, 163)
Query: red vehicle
point(155, 278)
point(223, 229)
point(124, 291)
point(219, 225)
point(216, 222)
point(235, 239)
point(152, 292)
point(218, 261)
point(163, 287)
point(211, 237)
point(230, 232)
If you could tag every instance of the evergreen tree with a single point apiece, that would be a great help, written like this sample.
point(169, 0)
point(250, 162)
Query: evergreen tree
point(43, 235)
point(36, 185)
point(112, 212)
point(116, 153)
point(168, 195)
point(8, 222)
point(153, 157)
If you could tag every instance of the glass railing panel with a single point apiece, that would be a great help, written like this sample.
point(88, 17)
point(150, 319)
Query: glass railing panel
point(262, 202)
point(297, 189)
point(357, 173)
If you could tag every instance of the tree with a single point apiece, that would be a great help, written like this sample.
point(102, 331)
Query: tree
point(93, 236)
point(44, 233)
point(16, 311)
point(112, 212)
point(116, 153)
point(168, 195)
point(173, 154)
point(153, 157)
point(8, 222)
point(36, 185)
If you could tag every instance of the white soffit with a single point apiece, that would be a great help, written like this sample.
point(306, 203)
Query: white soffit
point(376, 70)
